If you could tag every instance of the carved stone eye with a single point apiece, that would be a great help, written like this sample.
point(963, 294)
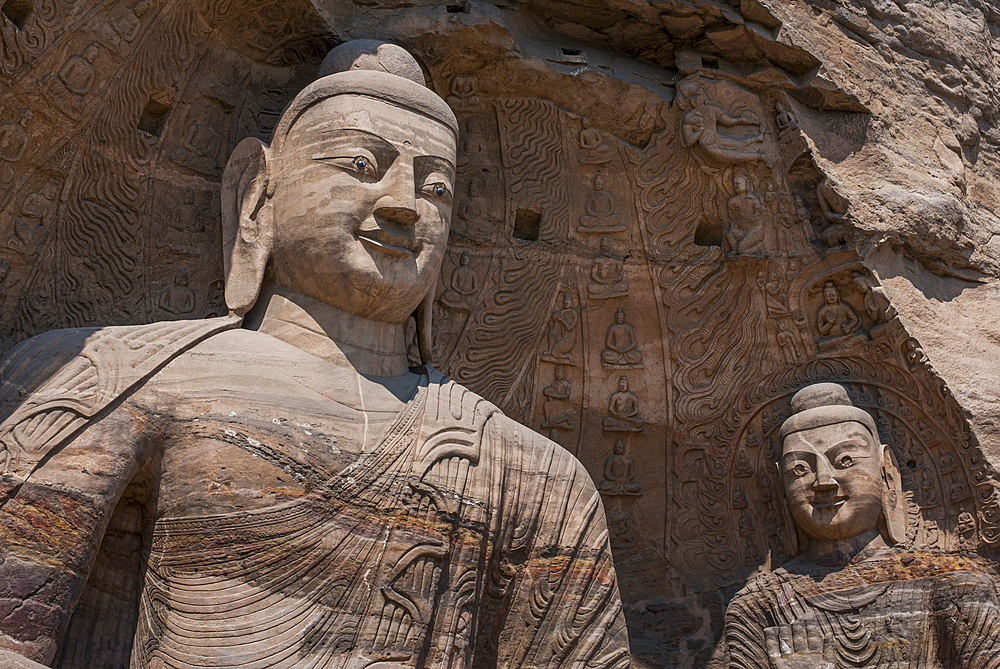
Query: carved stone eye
point(846, 461)
point(800, 469)
point(363, 165)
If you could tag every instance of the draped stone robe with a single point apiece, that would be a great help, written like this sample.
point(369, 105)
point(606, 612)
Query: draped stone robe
point(887, 609)
point(236, 533)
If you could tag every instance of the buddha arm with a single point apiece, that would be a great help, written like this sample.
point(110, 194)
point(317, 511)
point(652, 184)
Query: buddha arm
point(967, 609)
point(560, 604)
point(52, 526)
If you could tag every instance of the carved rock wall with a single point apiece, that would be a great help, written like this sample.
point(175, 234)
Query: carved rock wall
point(668, 219)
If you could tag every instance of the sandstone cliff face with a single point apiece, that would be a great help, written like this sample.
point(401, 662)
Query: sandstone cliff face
point(706, 169)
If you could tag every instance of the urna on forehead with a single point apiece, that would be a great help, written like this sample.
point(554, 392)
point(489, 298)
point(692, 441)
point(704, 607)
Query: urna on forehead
point(372, 69)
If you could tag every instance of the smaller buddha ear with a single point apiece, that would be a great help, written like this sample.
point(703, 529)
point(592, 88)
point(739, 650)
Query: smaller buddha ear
point(247, 230)
point(894, 507)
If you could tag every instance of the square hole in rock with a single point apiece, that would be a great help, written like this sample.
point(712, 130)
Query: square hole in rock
point(17, 12)
point(526, 225)
point(153, 118)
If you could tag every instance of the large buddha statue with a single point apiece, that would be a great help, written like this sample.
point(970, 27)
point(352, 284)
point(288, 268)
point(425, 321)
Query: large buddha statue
point(276, 488)
point(854, 597)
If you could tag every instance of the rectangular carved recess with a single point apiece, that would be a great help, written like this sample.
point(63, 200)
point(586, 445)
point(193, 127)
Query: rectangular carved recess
point(526, 225)
point(153, 118)
point(17, 12)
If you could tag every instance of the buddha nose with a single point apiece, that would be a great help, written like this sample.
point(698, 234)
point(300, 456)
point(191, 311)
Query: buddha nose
point(399, 203)
point(391, 209)
point(824, 475)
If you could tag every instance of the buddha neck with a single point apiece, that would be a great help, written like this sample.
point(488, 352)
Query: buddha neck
point(833, 553)
point(372, 348)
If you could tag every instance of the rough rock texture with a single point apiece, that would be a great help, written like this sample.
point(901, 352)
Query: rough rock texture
point(715, 225)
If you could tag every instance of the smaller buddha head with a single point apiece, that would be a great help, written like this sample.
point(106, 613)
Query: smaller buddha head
point(623, 384)
point(619, 447)
point(620, 317)
point(189, 196)
point(181, 278)
point(831, 294)
point(567, 300)
point(605, 245)
point(463, 259)
point(740, 183)
point(91, 53)
point(598, 182)
point(840, 480)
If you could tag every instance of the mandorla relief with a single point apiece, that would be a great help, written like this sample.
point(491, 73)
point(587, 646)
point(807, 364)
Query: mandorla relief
point(648, 286)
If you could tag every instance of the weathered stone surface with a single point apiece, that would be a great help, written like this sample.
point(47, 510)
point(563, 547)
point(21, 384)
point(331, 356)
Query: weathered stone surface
point(705, 169)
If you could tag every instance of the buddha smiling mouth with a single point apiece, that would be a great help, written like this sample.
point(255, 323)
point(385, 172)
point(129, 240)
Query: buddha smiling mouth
point(829, 502)
point(385, 241)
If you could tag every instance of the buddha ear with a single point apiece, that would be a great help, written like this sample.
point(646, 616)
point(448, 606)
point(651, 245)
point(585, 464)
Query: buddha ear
point(425, 330)
point(894, 507)
point(247, 222)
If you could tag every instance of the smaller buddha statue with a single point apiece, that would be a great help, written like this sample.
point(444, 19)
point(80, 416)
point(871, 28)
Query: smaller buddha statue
point(785, 119)
point(620, 345)
point(619, 473)
point(463, 91)
point(607, 273)
point(623, 410)
point(187, 227)
point(854, 596)
point(555, 408)
point(743, 468)
point(561, 386)
point(600, 213)
point(463, 286)
point(745, 236)
point(593, 149)
point(562, 333)
point(839, 325)
point(177, 299)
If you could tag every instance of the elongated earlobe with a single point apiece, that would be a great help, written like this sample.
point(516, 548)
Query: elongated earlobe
point(247, 225)
point(425, 331)
point(893, 503)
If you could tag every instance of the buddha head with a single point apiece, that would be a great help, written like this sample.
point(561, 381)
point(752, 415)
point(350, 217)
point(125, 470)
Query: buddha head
point(831, 294)
point(351, 202)
point(620, 316)
point(840, 481)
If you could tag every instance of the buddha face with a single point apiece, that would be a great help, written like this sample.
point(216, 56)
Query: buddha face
point(831, 294)
point(833, 480)
point(362, 206)
point(623, 385)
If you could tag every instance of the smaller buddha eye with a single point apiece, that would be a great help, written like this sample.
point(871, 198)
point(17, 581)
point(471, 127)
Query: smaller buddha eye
point(437, 189)
point(800, 469)
point(846, 461)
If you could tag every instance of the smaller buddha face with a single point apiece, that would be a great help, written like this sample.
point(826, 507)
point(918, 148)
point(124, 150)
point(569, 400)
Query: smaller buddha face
point(740, 184)
point(619, 447)
point(833, 480)
point(620, 316)
point(567, 301)
point(623, 384)
point(463, 259)
point(91, 52)
point(831, 295)
point(598, 182)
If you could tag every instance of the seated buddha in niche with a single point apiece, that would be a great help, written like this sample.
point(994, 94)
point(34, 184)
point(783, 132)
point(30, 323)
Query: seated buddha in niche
point(853, 597)
point(620, 344)
point(623, 410)
point(599, 210)
point(607, 273)
point(308, 499)
point(838, 323)
point(619, 473)
point(463, 286)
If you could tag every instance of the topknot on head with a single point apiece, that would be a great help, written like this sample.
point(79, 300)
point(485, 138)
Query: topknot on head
point(820, 395)
point(370, 54)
